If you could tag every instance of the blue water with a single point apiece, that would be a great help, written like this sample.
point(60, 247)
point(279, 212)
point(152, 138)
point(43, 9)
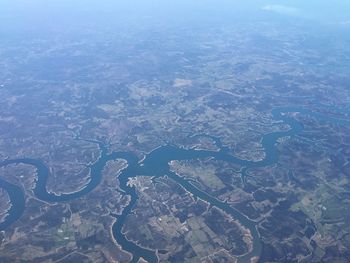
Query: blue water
point(156, 165)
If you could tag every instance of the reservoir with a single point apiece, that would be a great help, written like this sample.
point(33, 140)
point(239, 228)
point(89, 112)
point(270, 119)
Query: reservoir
point(156, 164)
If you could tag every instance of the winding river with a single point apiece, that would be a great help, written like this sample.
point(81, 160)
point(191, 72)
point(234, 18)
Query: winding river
point(156, 164)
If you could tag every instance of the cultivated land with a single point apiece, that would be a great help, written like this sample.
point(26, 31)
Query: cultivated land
point(210, 89)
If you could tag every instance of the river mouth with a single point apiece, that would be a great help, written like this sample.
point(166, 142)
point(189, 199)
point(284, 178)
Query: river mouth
point(156, 164)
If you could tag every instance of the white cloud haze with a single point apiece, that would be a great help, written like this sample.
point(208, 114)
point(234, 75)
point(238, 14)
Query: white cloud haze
point(282, 9)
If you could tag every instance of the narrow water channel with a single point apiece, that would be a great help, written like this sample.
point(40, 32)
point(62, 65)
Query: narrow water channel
point(156, 164)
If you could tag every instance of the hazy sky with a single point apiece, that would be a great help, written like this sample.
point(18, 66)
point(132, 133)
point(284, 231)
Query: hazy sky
point(18, 16)
point(335, 10)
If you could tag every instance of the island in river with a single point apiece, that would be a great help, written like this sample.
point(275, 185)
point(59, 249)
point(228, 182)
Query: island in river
point(176, 142)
